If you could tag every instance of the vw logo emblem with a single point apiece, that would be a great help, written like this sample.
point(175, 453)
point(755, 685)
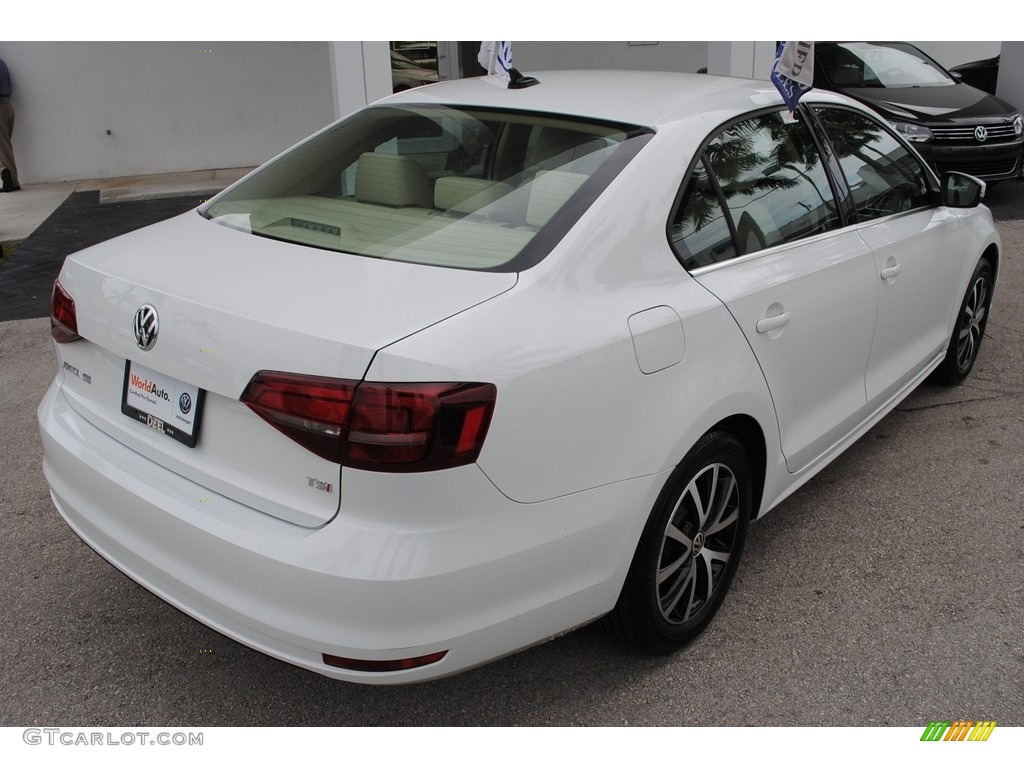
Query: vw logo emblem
point(185, 402)
point(981, 133)
point(146, 327)
point(698, 542)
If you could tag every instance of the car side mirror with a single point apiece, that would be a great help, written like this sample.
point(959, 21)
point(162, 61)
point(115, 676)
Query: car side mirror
point(961, 190)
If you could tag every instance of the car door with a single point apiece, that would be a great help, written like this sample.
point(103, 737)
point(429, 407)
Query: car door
point(915, 243)
point(758, 227)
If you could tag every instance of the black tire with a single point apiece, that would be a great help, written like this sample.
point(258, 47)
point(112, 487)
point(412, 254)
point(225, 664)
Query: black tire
point(689, 550)
point(965, 343)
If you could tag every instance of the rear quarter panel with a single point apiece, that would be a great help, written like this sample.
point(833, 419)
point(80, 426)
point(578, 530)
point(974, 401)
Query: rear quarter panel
point(574, 410)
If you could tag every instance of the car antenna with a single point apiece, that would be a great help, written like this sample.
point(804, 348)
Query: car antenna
point(496, 58)
point(518, 80)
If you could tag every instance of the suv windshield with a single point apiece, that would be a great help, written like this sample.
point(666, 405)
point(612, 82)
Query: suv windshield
point(878, 65)
point(456, 187)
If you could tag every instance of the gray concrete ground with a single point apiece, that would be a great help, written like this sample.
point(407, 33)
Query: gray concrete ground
point(888, 591)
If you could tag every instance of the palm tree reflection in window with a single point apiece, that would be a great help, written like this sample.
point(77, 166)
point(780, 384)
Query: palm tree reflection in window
point(768, 187)
point(884, 177)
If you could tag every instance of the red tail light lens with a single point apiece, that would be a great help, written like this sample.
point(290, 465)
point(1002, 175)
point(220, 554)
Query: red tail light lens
point(418, 427)
point(376, 426)
point(311, 410)
point(63, 318)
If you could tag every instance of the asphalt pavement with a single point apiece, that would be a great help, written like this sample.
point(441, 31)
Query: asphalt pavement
point(80, 221)
point(887, 591)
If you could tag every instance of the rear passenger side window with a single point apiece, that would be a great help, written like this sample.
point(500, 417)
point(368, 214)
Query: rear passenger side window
point(760, 183)
point(884, 176)
point(773, 181)
point(700, 231)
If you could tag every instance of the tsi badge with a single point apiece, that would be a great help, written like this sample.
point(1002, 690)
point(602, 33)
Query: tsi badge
point(320, 485)
point(145, 327)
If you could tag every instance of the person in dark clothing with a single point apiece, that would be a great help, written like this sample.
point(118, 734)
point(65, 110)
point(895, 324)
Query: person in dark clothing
point(8, 169)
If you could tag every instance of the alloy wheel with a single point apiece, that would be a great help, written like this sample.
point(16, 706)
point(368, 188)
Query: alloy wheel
point(697, 544)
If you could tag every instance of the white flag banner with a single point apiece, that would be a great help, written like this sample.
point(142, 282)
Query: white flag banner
point(797, 62)
point(793, 72)
point(496, 57)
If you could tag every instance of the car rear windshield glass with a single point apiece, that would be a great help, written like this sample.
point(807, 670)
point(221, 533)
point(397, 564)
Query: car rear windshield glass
point(455, 187)
point(870, 65)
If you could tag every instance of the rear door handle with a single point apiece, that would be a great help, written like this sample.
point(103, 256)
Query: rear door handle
point(772, 323)
point(890, 273)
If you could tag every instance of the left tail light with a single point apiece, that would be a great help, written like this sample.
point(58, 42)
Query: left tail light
point(401, 427)
point(63, 318)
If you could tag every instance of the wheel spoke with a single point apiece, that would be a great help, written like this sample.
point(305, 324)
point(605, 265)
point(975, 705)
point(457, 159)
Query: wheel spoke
point(713, 555)
point(980, 293)
point(690, 604)
point(693, 492)
point(727, 512)
point(666, 610)
point(724, 522)
point(966, 349)
point(706, 589)
point(673, 532)
point(672, 568)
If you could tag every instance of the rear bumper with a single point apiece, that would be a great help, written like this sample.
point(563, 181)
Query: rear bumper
point(411, 566)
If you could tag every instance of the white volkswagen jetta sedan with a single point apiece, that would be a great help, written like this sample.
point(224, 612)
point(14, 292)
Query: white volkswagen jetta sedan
point(474, 366)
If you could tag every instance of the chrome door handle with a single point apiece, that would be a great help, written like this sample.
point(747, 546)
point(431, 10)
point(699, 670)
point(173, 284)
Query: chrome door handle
point(772, 323)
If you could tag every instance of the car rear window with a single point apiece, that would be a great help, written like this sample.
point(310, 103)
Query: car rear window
point(455, 187)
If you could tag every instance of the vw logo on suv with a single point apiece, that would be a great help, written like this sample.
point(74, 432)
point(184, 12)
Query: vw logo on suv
point(146, 327)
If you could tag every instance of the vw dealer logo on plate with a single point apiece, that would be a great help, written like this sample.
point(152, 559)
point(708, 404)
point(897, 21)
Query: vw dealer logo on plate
point(146, 327)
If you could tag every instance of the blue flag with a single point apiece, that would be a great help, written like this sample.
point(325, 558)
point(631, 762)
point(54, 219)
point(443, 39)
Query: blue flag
point(793, 71)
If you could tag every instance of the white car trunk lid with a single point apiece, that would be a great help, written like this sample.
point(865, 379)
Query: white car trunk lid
point(229, 305)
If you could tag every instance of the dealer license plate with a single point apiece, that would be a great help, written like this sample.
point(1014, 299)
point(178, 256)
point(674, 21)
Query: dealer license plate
point(162, 403)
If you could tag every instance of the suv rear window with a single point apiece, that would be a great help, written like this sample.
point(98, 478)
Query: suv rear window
point(455, 187)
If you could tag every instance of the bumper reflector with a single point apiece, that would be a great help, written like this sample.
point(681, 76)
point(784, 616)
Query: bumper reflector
point(383, 665)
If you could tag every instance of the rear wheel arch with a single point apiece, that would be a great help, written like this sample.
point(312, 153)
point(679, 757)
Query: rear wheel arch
point(734, 447)
point(992, 255)
point(748, 431)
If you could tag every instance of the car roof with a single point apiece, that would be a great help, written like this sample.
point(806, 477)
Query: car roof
point(644, 98)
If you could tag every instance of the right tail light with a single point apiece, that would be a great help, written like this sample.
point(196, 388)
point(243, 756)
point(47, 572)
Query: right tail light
point(384, 427)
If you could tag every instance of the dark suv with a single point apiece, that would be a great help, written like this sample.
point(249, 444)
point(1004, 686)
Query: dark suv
point(955, 127)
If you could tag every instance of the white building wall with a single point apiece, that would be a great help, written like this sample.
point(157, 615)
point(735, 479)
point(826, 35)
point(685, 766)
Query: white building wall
point(1010, 85)
point(173, 106)
point(741, 59)
point(671, 56)
point(360, 72)
point(167, 106)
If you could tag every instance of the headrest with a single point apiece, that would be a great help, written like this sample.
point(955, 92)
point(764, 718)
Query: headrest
point(463, 194)
point(392, 180)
